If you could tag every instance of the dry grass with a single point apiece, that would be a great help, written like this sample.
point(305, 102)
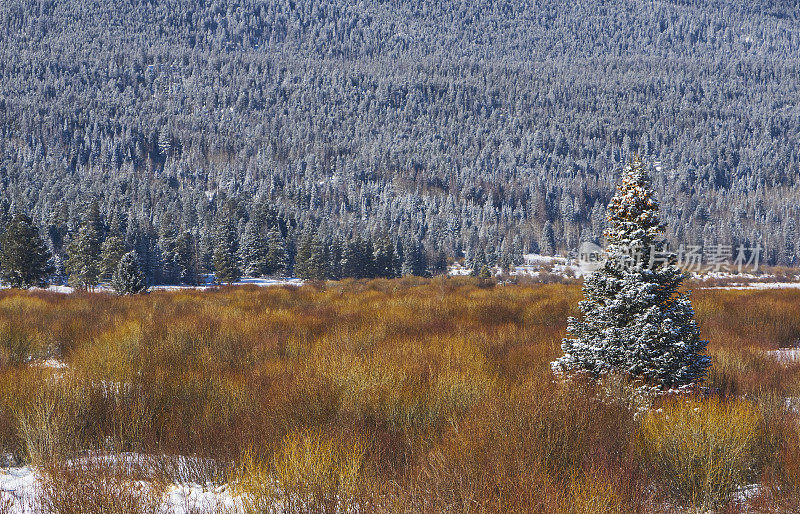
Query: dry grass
point(403, 395)
point(93, 487)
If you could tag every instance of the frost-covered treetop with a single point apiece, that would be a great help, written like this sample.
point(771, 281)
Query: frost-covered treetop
point(633, 222)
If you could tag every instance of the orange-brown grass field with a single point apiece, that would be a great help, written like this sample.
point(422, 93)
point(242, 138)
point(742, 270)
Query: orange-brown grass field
point(406, 395)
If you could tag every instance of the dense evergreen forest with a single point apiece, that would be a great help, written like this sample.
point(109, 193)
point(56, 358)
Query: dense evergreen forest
point(264, 137)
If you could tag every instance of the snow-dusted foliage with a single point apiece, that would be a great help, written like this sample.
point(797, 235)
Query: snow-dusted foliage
point(128, 277)
point(634, 319)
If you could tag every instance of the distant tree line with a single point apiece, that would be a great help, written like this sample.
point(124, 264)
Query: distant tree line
point(132, 258)
point(482, 129)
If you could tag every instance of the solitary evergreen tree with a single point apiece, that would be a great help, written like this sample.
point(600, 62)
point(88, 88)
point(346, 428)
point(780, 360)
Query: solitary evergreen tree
point(128, 277)
point(24, 258)
point(634, 319)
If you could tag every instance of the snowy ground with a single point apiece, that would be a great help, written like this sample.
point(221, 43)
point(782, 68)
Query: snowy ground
point(785, 355)
point(536, 265)
point(261, 282)
point(21, 486)
point(759, 285)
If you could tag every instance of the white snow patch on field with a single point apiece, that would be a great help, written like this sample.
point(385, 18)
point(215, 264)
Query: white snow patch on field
point(759, 285)
point(186, 498)
point(534, 265)
point(20, 488)
point(50, 364)
point(785, 355)
point(209, 284)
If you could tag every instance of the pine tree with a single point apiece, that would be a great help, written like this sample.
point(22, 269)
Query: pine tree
point(385, 258)
point(317, 266)
point(83, 252)
point(547, 245)
point(110, 254)
point(226, 265)
point(333, 264)
point(437, 263)
point(144, 241)
point(255, 251)
point(303, 257)
point(414, 261)
point(128, 277)
point(634, 319)
point(354, 263)
point(170, 269)
point(478, 262)
point(187, 260)
point(24, 258)
point(277, 256)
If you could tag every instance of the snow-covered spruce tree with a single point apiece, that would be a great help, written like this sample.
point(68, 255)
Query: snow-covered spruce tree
point(253, 251)
point(24, 257)
point(635, 322)
point(277, 258)
point(128, 277)
point(83, 257)
point(225, 257)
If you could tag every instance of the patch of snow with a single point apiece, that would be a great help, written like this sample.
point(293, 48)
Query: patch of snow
point(50, 363)
point(534, 265)
point(759, 285)
point(531, 259)
point(60, 289)
point(21, 486)
point(785, 355)
point(747, 492)
point(261, 282)
point(186, 498)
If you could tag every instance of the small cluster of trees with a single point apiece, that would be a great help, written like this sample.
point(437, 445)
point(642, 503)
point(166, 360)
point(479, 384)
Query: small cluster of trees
point(320, 259)
point(26, 261)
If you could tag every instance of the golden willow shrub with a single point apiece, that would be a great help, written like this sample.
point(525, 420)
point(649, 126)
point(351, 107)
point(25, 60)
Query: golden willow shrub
point(313, 471)
point(704, 450)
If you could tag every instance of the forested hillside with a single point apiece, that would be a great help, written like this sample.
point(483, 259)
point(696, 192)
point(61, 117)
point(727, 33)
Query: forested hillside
point(478, 128)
